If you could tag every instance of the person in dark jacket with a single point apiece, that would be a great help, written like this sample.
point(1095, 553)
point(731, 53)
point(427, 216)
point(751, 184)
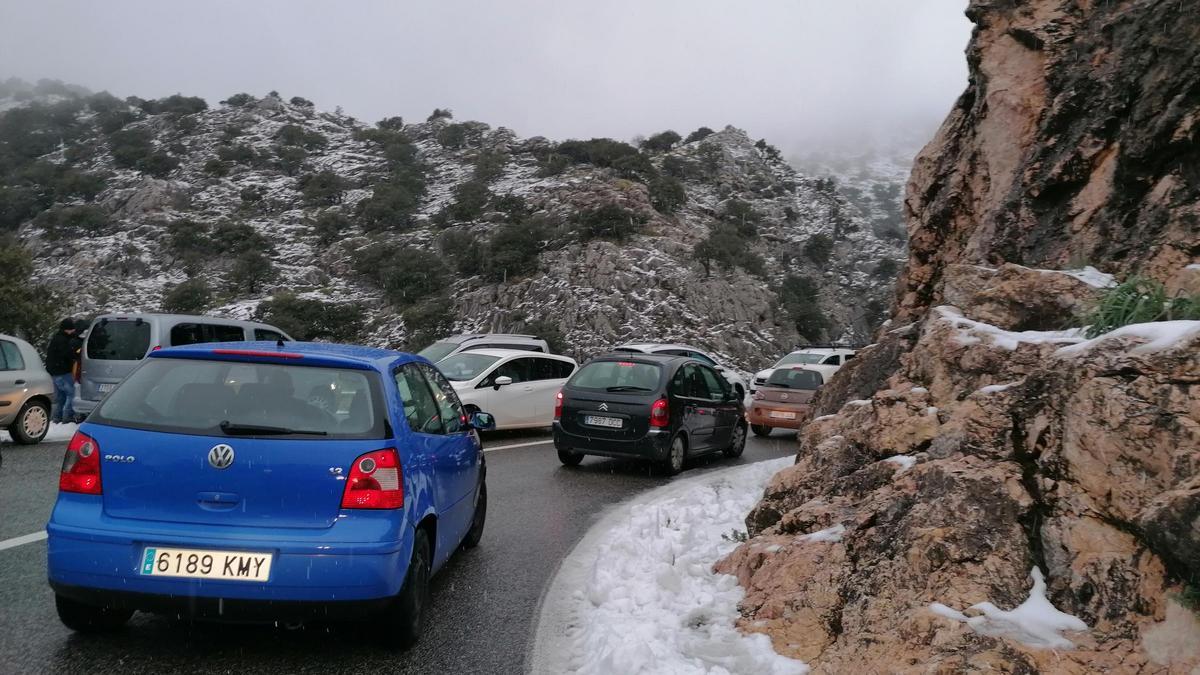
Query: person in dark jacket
point(60, 360)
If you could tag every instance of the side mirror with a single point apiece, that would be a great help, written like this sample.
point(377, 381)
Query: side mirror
point(482, 421)
point(502, 381)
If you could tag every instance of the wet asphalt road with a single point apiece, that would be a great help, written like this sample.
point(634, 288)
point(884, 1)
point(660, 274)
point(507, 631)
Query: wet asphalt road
point(485, 601)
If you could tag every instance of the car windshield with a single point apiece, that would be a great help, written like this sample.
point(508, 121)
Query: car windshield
point(224, 398)
point(794, 378)
point(438, 351)
point(466, 366)
point(799, 357)
point(617, 376)
point(119, 340)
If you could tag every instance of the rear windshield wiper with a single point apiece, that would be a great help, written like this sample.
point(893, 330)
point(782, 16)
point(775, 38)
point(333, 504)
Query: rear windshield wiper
point(627, 387)
point(254, 429)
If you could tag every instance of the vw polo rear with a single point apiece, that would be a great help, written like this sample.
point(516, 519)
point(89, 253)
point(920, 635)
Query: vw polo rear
point(234, 483)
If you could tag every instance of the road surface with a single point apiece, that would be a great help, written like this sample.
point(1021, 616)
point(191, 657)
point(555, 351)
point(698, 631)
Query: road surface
point(485, 600)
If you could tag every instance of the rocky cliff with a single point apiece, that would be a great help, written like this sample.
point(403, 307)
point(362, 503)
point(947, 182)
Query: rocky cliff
point(983, 463)
point(596, 240)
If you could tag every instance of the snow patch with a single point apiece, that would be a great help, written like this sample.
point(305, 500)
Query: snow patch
point(1154, 337)
point(905, 462)
point(1035, 623)
point(996, 388)
point(1088, 275)
point(58, 433)
point(829, 534)
point(971, 330)
point(859, 401)
point(919, 390)
point(823, 418)
point(652, 603)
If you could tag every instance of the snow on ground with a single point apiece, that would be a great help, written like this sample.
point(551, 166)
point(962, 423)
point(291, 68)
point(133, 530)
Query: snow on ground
point(1088, 275)
point(1153, 337)
point(638, 594)
point(971, 330)
point(829, 534)
point(58, 433)
point(996, 388)
point(1035, 623)
point(905, 462)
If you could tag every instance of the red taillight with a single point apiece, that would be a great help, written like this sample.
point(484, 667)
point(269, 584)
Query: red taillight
point(558, 406)
point(81, 466)
point(660, 415)
point(375, 482)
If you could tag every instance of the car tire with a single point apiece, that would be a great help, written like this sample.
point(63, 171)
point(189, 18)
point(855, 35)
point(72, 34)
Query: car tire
point(737, 444)
point(406, 617)
point(676, 455)
point(32, 423)
point(760, 429)
point(477, 521)
point(83, 618)
point(569, 457)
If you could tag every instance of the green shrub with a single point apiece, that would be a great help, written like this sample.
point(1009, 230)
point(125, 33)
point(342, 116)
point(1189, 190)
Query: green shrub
point(88, 220)
point(239, 153)
point(710, 156)
point(290, 159)
point(329, 226)
point(312, 319)
point(130, 146)
point(818, 248)
point(470, 198)
point(189, 242)
point(29, 309)
point(294, 134)
point(742, 216)
point(464, 250)
point(549, 331)
point(609, 221)
point(1139, 300)
point(233, 237)
point(767, 149)
point(452, 136)
point(886, 268)
point(189, 297)
point(799, 298)
point(699, 135)
point(323, 188)
point(790, 214)
point(252, 194)
point(726, 247)
point(300, 102)
point(678, 167)
point(514, 249)
point(552, 165)
point(603, 152)
point(428, 321)
point(391, 123)
point(440, 114)
point(215, 167)
point(391, 207)
point(404, 274)
point(513, 206)
point(662, 141)
point(635, 167)
point(667, 194)
point(250, 272)
point(175, 104)
point(489, 165)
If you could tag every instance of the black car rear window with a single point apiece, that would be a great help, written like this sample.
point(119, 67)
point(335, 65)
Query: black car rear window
point(118, 340)
point(617, 375)
point(229, 398)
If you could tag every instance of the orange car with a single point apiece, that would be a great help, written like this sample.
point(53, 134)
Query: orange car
point(783, 400)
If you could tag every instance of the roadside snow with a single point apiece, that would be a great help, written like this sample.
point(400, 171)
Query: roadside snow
point(829, 534)
point(970, 330)
point(1155, 337)
point(638, 594)
point(905, 462)
point(58, 433)
point(1036, 623)
point(996, 388)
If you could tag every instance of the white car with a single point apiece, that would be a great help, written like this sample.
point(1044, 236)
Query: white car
point(518, 388)
point(824, 360)
point(730, 375)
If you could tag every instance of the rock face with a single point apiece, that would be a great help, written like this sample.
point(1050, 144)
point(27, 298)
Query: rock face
point(981, 437)
point(1076, 142)
point(1027, 448)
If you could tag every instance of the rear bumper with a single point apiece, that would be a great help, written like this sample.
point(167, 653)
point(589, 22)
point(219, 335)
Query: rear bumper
point(83, 406)
point(106, 563)
point(760, 414)
point(654, 445)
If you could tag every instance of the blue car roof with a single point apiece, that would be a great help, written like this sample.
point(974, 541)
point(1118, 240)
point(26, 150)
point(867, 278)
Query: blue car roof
point(298, 353)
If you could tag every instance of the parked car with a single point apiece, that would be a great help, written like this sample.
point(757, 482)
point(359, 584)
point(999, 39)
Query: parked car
point(214, 483)
point(825, 360)
point(116, 343)
point(659, 407)
point(731, 376)
point(783, 400)
point(517, 387)
point(26, 391)
point(471, 341)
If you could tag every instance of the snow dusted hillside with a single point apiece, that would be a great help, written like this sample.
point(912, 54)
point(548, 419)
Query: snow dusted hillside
point(250, 179)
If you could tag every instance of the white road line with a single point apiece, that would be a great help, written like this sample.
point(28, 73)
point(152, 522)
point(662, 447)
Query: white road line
point(518, 445)
point(21, 541)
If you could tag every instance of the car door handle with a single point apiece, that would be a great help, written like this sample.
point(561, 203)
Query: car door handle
point(19, 382)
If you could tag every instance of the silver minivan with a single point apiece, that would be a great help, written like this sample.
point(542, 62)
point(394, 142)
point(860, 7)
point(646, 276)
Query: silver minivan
point(26, 391)
point(116, 343)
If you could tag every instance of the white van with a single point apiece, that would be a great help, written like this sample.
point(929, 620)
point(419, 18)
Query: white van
point(116, 343)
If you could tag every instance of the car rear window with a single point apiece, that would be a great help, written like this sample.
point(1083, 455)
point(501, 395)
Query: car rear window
point(617, 375)
point(791, 378)
point(118, 340)
point(465, 366)
point(799, 357)
point(228, 398)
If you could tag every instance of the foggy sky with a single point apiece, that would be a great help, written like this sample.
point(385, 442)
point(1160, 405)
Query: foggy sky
point(793, 71)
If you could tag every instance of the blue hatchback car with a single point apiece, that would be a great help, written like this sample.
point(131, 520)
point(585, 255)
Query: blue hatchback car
point(264, 481)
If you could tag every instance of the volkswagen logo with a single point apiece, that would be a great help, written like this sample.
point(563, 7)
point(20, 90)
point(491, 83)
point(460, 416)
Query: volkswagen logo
point(220, 457)
point(604, 407)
